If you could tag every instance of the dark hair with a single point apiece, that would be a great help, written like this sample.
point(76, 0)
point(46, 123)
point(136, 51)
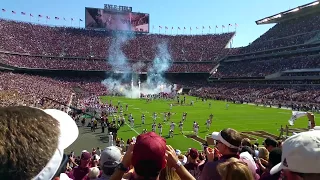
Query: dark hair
point(271, 142)
point(147, 169)
point(275, 157)
point(247, 149)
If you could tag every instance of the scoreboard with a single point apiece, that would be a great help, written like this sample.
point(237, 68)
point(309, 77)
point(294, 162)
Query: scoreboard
point(116, 18)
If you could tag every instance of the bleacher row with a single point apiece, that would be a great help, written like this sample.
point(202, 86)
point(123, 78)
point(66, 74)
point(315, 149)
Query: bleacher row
point(61, 63)
point(79, 49)
point(263, 94)
point(71, 42)
point(262, 68)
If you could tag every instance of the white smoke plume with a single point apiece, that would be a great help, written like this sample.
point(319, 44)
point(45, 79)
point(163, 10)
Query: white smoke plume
point(160, 65)
point(128, 83)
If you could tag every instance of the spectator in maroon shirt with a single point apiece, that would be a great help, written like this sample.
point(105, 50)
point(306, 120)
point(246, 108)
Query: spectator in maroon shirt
point(80, 172)
point(228, 142)
point(193, 165)
point(274, 159)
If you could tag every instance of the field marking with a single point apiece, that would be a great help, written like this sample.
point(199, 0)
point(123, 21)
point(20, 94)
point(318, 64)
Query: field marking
point(193, 139)
point(243, 127)
point(131, 128)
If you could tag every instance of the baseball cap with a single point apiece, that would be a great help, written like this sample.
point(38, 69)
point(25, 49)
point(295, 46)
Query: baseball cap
point(300, 153)
point(151, 148)
point(85, 155)
point(178, 152)
point(68, 134)
point(193, 153)
point(110, 157)
point(217, 136)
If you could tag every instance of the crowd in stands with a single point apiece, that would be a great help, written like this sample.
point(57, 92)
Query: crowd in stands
point(23, 89)
point(287, 33)
point(261, 68)
point(19, 37)
point(298, 98)
point(32, 88)
point(226, 155)
point(18, 89)
point(61, 63)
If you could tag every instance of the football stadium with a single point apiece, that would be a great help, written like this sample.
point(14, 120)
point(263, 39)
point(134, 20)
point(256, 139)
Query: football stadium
point(122, 99)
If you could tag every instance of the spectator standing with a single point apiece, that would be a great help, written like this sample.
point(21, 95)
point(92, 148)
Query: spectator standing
point(148, 156)
point(274, 159)
point(270, 143)
point(233, 169)
point(109, 160)
point(192, 164)
point(228, 142)
point(32, 142)
point(80, 172)
point(300, 157)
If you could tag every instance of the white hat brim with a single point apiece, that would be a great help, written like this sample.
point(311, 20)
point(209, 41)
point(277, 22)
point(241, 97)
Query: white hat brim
point(277, 168)
point(215, 135)
point(68, 128)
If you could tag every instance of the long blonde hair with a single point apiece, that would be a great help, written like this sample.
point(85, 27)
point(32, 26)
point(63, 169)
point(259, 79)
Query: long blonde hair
point(168, 174)
point(263, 153)
point(234, 169)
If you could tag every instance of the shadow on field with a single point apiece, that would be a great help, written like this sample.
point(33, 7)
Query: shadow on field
point(104, 139)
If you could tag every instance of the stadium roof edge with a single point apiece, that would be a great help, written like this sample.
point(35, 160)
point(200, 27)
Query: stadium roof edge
point(302, 10)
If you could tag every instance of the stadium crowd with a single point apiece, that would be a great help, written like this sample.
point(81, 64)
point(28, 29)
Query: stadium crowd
point(19, 37)
point(297, 97)
point(33, 141)
point(226, 155)
point(288, 33)
point(261, 68)
point(30, 89)
point(61, 63)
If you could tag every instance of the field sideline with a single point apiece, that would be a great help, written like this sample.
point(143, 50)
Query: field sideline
point(241, 117)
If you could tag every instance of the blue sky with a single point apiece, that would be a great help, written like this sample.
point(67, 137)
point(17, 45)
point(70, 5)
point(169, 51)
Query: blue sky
point(176, 13)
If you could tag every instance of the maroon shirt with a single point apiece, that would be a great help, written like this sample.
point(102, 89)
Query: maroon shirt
point(80, 173)
point(267, 176)
point(193, 169)
point(210, 172)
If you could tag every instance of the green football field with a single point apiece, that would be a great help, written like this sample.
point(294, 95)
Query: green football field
point(241, 117)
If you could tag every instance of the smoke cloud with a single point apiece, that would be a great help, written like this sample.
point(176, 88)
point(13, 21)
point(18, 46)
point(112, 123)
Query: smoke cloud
point(128, 83)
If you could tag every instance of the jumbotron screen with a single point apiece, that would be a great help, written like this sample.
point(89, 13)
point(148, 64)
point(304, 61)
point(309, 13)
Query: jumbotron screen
point(116, 21)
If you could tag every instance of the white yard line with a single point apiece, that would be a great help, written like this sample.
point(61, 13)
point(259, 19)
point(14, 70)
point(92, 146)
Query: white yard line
point(131, 128)
point(193, 139)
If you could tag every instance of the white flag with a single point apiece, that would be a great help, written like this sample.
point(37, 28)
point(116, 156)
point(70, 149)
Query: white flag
point(295, 116)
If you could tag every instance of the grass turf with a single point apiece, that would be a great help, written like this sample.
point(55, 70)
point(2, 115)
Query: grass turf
point(241, 117)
